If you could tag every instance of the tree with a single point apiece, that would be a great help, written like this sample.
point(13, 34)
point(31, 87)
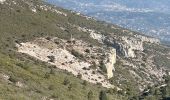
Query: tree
point(103, 96)
point(90, 95)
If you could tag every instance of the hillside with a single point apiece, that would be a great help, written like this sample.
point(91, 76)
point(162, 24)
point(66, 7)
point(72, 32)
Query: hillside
point(150, 17)
point(50, 53)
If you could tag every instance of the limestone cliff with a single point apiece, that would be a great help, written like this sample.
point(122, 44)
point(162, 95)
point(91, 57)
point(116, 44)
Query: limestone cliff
point(110, 61)
point(77, 57)
point(125, 45)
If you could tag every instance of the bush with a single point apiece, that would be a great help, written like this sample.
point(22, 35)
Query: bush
point(79, 76)
point(70, 87)
point(121, 92)
point(66, 81)
point(48, 38)
point(47, 75)
point(52, 71)
point(22, 65)
point(13, 79)
point(85, 83)
point(87, 51)
point(99, 83)
point(103, 96)
point(143, 64)
point(90, 95)
point(54, 96)
point(111, 91)
point(103, 67)
point(93, 66)
point(51, 87)
point(77, 54)
point(52, 58)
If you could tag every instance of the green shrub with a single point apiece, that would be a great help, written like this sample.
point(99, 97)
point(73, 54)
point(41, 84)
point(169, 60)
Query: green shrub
point(103, 95)
point(93, 65)
point(79, 76)
point(90, 95)
point(52, 71)
point(22, 65)
point(77, 54)
point(47, 75)
point(13, 79)
point(51, 87)
point(52, 58)
point(70, 87)
point(85, 83)
point(103, 67)
point(66, 81)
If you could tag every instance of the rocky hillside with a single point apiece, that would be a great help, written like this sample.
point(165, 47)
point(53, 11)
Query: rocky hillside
point(51, 53)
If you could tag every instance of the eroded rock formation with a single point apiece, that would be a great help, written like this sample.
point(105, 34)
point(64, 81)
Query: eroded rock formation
point(78, 57)
point(110, 61)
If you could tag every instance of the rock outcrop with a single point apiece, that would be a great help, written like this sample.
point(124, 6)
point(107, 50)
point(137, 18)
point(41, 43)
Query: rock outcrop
point(96, 36)
point(128, 45)
point(110, 61)
point(77, 58)
point(125, 45)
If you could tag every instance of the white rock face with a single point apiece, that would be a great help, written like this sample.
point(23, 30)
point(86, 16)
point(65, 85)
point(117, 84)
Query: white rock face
point(126, 45)
point(2, 1)
point(111, 56)
point(19, 84)
point(64, 59)
point(96, 36)
point(34, 10)
point(130, 45)
point(146, 39)
point(110, 61)
point(93, 34)
point(4, 76)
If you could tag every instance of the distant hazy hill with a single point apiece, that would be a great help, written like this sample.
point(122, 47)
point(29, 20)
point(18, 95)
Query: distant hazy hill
point(152, 17)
